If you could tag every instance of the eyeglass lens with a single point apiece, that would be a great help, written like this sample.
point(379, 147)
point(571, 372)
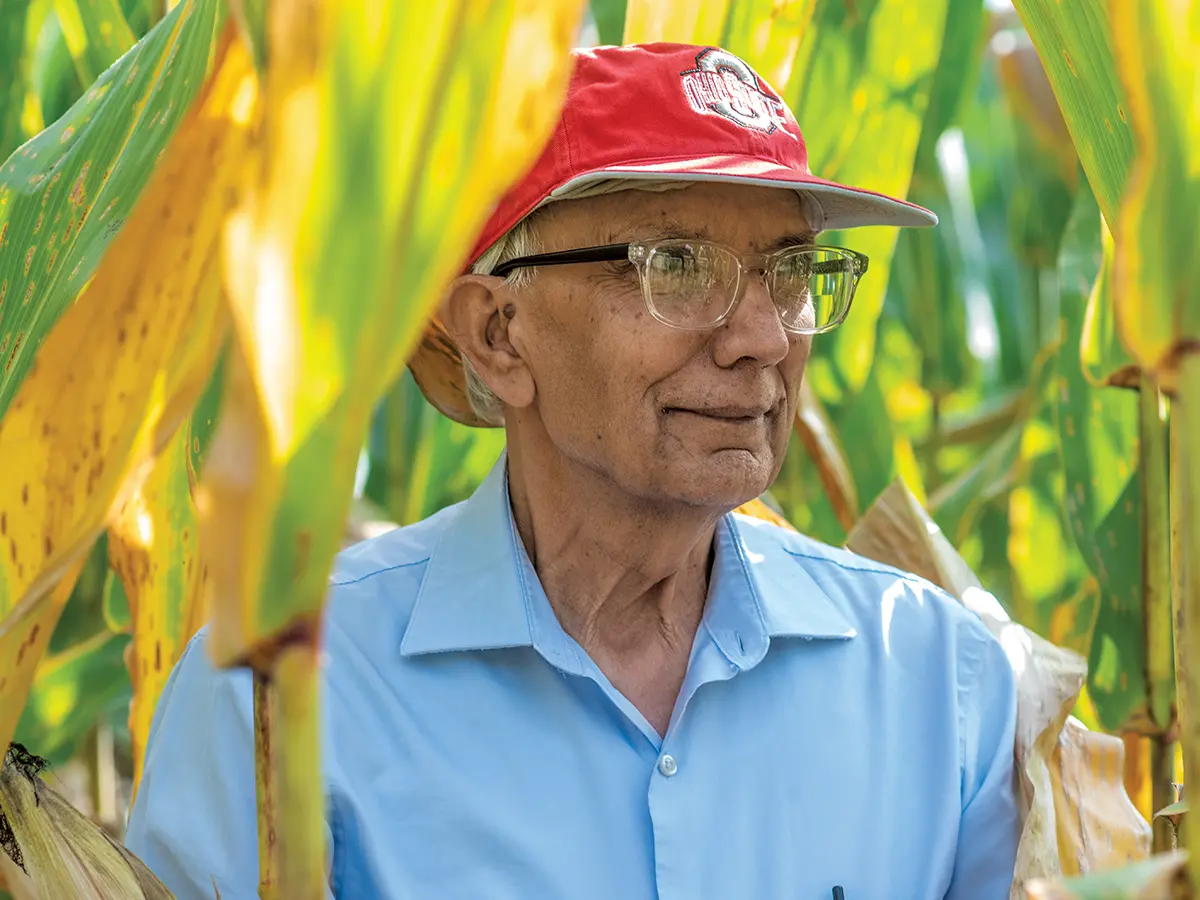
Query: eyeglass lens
point(693, 284)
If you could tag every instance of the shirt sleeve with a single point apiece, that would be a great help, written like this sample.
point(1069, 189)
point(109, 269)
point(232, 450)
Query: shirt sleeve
point(194, 821)
point(989, 828)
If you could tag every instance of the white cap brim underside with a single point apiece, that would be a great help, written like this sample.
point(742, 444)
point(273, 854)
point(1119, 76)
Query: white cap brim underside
point(837, 207)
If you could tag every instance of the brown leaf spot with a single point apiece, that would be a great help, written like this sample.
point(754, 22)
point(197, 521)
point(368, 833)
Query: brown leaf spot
point(1070, 65)
point(144, 330)
point(16, 346)
point(45, 429)
point(52, 260)
point(121, 335)
point(48, 545)
point(37, 226)
point(1121, 112)
point(158, 656)
point(3, 233)
point(25, 494)
point(29, 257)
point(78, 194)
point(3, 523)
point(3, 294)
point(96, 438)
point(28, 292)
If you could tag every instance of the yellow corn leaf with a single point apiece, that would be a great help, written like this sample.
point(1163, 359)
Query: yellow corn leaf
point(152, 546)
point(355, 226)
point(24, 636)
point(1077, 816)
point(1157, 269)
point(684, 21)
point(114, 379)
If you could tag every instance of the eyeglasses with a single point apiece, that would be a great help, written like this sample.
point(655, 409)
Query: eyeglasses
point(696, 284)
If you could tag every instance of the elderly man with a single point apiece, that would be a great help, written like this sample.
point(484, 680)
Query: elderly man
point(592, 680)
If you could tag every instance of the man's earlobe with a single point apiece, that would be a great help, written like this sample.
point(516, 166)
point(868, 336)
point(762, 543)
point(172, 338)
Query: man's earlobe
point(478, 315)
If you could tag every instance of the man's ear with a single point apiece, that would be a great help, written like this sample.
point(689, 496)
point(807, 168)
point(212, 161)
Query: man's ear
point(478, 312)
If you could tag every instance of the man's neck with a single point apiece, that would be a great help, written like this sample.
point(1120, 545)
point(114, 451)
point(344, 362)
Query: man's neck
point(626, 579)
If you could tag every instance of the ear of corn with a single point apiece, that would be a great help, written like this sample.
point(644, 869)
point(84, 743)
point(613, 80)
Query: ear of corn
point(63, 853)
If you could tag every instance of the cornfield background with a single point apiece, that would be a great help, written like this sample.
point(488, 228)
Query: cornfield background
point(1015, 366)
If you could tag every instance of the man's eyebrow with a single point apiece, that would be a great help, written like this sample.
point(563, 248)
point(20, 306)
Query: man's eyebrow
point(802, 239)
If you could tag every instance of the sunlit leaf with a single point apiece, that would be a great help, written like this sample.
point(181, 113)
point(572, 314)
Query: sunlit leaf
point(96, 33)
point(65, 193)
point(126, 362)
point(1075, 43)
point(152, 544)
point(341, 251)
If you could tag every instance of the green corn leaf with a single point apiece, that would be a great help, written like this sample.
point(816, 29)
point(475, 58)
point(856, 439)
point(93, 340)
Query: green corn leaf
point(1097, 432)
point(1075, 43)
point(13, 16)
point(96, 33)
point(860, 89)
point(66, 192)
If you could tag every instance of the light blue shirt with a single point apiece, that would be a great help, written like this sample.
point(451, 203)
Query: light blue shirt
point(841, 723)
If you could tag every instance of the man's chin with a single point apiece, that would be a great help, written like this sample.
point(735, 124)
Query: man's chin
point(727, 479)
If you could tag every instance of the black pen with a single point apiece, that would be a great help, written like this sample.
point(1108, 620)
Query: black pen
point(838, 893)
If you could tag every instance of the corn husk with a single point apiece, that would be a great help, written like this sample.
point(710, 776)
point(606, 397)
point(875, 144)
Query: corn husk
point(61, 853)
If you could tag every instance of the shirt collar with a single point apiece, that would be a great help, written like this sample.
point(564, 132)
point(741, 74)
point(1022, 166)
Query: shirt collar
point(472, 596)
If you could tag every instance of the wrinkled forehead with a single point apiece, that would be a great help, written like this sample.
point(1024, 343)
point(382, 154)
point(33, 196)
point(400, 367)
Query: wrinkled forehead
point(742, 214)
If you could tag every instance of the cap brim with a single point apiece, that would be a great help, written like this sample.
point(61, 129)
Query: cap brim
point(841, 206)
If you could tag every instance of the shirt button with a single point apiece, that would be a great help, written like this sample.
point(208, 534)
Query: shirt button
point(667, 765)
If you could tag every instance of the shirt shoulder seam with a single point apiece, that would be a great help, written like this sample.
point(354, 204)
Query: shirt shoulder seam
point(404, 565)
point(871, 570)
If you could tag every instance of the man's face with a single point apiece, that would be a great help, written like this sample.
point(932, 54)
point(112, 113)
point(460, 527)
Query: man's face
point(665, 414)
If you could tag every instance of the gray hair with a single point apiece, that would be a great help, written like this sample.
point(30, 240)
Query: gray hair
point(522, 240)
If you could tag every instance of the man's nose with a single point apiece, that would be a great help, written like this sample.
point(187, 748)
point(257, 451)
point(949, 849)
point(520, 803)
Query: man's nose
point(754, 330)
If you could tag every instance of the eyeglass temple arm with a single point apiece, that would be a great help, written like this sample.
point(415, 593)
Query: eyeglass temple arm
point(607, 253)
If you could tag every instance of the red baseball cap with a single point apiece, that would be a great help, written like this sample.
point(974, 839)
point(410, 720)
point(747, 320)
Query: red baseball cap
point(660, 112)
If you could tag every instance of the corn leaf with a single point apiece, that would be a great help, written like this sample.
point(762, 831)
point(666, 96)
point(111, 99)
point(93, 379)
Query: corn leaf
point(70, 692)
point(1075, 43)
point(66, 192)
point(609, 16)
point(422, 461)
point(1158, 57)
point(1105, 359)
point(860, 89)
point(13, 15)
point(1097, 432)
point(96, 33)
point(117, 375)
point(342, 252)
point(152, 545)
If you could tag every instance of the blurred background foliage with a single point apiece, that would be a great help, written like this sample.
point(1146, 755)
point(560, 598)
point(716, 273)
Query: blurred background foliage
point(959, 370)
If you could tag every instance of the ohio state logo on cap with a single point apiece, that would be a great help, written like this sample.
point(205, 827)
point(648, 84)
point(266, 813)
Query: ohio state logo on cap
point(723, 85)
